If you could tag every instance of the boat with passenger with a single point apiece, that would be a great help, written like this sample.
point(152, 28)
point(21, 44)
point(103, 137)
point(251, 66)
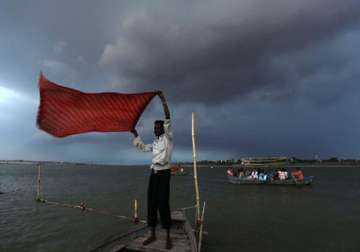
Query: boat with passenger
point(266, 171)
point(291, 181)
point(184, 237)
point(178, 171)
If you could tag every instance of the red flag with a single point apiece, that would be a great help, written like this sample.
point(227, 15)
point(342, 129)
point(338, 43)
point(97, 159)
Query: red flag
point(64, 111)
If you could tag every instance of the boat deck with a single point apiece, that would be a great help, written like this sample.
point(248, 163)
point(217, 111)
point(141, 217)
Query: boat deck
point(181, 242)
point(181, 233)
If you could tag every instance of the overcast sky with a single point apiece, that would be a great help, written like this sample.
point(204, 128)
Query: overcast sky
point(263, 77)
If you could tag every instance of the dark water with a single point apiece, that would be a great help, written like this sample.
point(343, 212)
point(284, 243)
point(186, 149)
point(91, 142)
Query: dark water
point(323, 217)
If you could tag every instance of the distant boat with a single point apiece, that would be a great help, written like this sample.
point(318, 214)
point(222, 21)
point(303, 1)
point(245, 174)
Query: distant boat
point(243, 181)
point(264, 160)
point(181, 231)
point(178, 171)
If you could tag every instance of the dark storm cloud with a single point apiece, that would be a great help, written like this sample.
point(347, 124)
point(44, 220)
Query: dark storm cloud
point(64, 39)
point(264, 77)
point(220, 50)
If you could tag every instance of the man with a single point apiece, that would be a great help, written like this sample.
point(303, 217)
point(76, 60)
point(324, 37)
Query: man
point(298, 174)
point(159, 183)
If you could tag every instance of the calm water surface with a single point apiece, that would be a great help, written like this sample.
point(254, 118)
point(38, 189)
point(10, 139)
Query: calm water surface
point(323, 217)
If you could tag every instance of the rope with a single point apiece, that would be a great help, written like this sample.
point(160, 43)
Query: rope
point(83, 207)
point(186, 208)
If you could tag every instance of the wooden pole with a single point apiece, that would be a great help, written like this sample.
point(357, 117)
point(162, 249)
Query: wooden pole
point(197, 216)
point(201, 227)
point(39, 183)
point(136, 218)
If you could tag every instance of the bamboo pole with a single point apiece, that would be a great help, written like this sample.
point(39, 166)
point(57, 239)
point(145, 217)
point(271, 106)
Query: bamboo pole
point(197, 216)
point(136, 218)
point(201, 227)
point(38, 196)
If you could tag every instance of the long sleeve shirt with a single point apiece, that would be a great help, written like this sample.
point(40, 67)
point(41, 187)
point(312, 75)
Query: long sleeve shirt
point(161, 148)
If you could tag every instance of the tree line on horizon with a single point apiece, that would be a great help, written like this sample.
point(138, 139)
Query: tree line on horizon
point(292, 160)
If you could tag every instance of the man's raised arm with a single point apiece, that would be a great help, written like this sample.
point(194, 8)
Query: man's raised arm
point(164, 103)
point(167, 123)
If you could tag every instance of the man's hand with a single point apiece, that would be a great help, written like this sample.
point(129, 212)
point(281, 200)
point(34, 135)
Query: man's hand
point(163, 100)
point(159, 93)
point(134, 131)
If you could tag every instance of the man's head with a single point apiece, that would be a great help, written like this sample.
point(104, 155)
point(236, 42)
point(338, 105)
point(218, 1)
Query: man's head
point(158, 127)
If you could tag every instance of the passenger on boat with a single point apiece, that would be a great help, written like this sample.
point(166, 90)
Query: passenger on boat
point(241, 173)
point(235, 172)
point(247, 173)
point(276, 175)
point(271, 175)
point(158, 193)
point(286, 174)
point(262, 175)
point(254, 175)
point(230, 172)
point(298, 174)
point(283, 174)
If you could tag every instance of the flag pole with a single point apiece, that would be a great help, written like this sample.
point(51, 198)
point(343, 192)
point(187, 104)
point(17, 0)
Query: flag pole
point(197, 216)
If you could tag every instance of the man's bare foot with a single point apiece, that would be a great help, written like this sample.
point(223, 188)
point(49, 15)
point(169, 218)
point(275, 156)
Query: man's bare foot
point(149, 240)
point(168, 244)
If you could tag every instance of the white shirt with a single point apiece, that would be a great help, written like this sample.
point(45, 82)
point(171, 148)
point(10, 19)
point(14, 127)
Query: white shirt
point(161, 148)
point(283, 175)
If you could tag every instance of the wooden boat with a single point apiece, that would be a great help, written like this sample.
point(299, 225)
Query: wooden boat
point(236, 180)
point(178, 171)
point(182, 236)
point(258, 161)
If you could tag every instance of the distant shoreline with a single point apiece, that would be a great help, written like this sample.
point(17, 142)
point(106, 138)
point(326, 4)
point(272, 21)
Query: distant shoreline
point(268, 166)
point(30, 162)
point(188, 165)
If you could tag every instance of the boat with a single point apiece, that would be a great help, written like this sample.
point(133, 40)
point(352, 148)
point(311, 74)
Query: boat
point(182, 235)
point(291, 181)
point(261, 161)
point(178, 171)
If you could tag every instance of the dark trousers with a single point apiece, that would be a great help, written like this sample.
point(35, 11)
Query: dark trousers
point(158, 198)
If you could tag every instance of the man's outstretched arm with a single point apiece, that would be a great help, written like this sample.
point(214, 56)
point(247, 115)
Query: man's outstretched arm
point(139, 144)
